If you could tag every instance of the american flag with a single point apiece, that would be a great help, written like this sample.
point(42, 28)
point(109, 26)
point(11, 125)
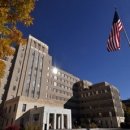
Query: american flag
point(113, 42)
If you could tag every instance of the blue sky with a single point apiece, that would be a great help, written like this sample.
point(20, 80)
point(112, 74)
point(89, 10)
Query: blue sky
point(76, 32)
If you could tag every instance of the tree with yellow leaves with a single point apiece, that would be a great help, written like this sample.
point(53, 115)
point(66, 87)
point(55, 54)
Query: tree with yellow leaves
point(13, 12)
point(2, 66)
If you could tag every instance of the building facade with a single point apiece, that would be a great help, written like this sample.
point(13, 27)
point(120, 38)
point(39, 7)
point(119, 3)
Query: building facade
point(23, 111)
point(99, 103)
point(36, 82)
point(33, 75)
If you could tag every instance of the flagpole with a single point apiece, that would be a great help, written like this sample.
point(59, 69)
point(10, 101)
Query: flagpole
point(126, 36)
point(125, 31)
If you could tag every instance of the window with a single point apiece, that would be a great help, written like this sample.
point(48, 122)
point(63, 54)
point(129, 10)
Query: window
point(90, 107)
point(27, 90)
point(5, 109)
point(21, 55)
point(35, 71)
point(36, 68)
point(105, 91)
point(35, 117)
point(46, 87)
point(33, 53)
point(38, 93)
point(47, 74)
point(55, 77)
point(11, 121)
point(55, 84)
point(39, 46)
point(40, 70)
point(96, 92)
point(28, 81)
point(29, 73)
point(24, 108)
point(7, 122)
point(110, 113)
point(58, 73)
point(33, 83)
point(32, 91)
point(18, 70)
point(41, 64)
point(38, 85)
point(82, 95)
point(9, 109)
point(20, 62)
point(14, 88)
point(16, 79)
point(62, 86)
point(92, 93)
point(36, 60)
point(14, 107)
point(43, 48)
point(100, 114)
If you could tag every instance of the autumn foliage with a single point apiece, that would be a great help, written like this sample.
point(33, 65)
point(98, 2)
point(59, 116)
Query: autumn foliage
point(2, 66)
point(13, 12)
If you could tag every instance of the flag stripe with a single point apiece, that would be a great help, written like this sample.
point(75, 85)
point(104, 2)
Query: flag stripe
point(113, 42)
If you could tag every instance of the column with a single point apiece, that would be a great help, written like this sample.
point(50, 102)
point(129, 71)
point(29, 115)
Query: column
point(59, 122)
point(65, 120)
point(44, 120)
point(48, 117)
point(68, 122)
point(62, 121)
point(54, 121)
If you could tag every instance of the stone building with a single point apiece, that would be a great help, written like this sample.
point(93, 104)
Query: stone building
point(35, 82)
point(99, 103)
point(43, 113)
point(34, 76)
